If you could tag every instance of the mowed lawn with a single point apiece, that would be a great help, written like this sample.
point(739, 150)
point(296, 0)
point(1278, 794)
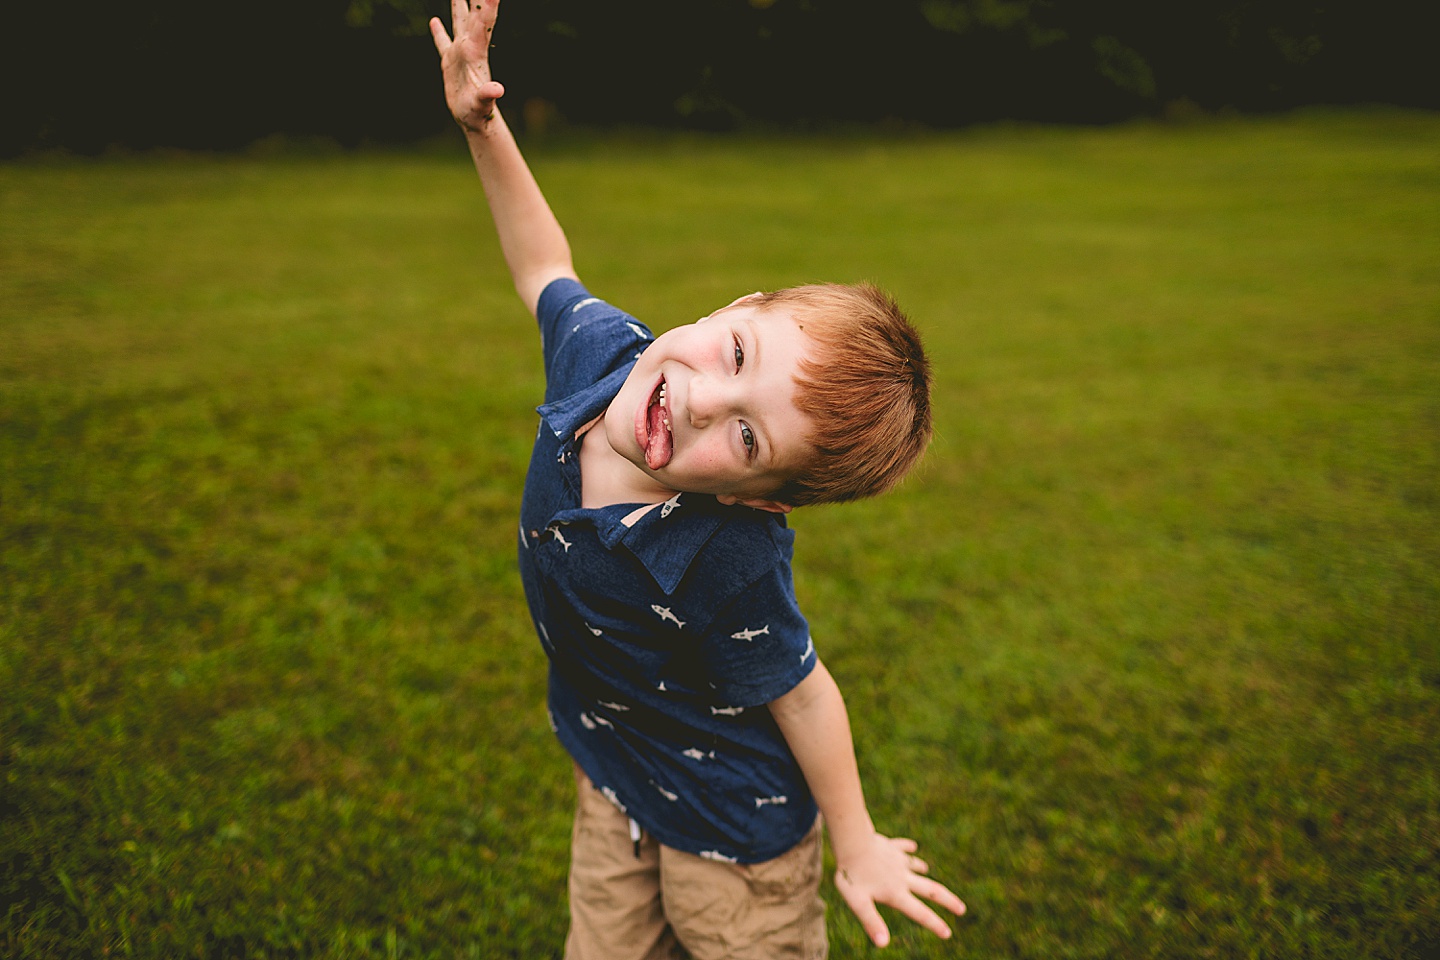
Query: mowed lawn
point(1147, 655)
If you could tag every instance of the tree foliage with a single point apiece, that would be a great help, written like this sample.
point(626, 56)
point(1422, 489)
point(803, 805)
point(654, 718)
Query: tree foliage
point(163, 72)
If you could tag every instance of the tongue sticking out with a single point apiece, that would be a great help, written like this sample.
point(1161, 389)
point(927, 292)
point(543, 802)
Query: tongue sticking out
point(658, 444)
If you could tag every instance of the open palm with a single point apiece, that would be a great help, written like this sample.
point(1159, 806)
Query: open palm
point(465, 61)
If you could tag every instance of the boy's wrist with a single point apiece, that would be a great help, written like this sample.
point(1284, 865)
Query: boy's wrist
point(476, 125)
point(850, 837)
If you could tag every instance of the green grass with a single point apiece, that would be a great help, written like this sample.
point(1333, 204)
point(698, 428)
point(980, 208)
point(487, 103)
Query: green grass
point(1146, 655)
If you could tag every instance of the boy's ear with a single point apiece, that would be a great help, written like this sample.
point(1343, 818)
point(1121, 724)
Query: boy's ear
point(755, 503)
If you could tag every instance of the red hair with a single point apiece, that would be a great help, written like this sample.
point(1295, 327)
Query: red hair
point(865, 388)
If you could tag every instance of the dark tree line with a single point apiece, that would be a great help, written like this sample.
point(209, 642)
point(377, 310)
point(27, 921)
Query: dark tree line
point(175, 73)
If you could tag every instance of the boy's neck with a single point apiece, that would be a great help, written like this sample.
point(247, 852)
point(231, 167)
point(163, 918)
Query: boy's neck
point(607, 478)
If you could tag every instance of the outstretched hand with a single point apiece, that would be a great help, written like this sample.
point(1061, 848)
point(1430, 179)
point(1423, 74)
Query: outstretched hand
point(887, 871)
point(465, 62)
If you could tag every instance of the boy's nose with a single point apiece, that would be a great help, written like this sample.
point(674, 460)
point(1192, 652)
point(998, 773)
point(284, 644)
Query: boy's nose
point(705, 401)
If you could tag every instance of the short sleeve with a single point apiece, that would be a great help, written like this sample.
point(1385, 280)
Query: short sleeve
point(556, 300)
point(758, 647)
point(583, 337)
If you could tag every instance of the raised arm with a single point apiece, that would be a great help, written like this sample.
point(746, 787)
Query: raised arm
point(535, 247)
point(870, 869)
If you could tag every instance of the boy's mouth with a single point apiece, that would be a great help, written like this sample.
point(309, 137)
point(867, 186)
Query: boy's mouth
point(654, 431)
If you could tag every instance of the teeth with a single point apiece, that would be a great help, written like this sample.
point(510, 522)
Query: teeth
point(662, 394)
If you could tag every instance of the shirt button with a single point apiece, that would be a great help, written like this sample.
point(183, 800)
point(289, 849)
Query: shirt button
point(535, 533)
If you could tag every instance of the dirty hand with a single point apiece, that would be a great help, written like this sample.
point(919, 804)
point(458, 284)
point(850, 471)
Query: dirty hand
point(465, 62)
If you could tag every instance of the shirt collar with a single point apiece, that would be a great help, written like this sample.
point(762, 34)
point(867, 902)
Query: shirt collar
point(568, 414)
point(665, 540)
point(668, 538)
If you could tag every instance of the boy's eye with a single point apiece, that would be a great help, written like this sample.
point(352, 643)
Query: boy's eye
point(739, 355)
point(747, 436)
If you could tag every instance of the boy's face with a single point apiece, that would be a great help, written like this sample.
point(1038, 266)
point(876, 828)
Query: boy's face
point(710, 407)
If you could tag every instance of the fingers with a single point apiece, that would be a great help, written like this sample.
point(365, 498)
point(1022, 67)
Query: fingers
point(489, 10)
point(890, 873)
point(481, 27)
point(863, 906)
point(923, 915)
point(487, 89)
point(939, 893)
point(438, 34)
point(870, 920)
point(906, 845)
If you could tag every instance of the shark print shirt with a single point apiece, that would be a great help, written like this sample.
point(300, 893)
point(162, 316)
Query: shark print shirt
point(666, 639)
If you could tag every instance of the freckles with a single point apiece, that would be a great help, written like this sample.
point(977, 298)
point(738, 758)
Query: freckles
point(709, 460)
point(706, 460)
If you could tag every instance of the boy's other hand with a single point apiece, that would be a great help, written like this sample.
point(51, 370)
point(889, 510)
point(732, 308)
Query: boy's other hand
point(465, 62)
point(887, 871)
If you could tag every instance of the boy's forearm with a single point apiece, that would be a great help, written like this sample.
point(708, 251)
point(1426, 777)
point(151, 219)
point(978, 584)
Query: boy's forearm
point(814, 722)
point(531, 238)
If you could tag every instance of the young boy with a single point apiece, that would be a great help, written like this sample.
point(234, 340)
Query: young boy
point(656, 563)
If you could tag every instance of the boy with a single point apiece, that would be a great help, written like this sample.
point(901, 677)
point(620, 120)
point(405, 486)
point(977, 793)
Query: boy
point(656, 563)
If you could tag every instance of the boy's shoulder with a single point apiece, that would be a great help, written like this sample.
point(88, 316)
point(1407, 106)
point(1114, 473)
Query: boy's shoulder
point(583, 338)
point(567, 308)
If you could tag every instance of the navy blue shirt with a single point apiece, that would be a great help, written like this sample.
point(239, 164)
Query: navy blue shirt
point(667, 638)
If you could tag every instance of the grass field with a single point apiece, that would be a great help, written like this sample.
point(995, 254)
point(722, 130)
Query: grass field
point(1147, 655)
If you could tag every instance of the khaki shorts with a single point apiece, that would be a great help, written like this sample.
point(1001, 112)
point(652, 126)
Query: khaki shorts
point(669, 904)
